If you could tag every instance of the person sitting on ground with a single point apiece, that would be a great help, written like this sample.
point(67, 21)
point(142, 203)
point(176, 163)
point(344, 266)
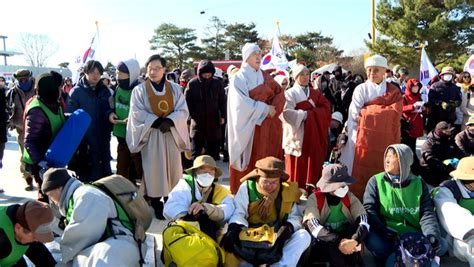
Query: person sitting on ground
point(95, 232)
point(465, 139)
point(198, 196)
point(438, 147)
point(398, 202)
point(336, 219)
point(454, 201)
point(23, 230)
point(265, 199)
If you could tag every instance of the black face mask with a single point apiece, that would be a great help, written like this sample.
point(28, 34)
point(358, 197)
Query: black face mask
point(124, 83)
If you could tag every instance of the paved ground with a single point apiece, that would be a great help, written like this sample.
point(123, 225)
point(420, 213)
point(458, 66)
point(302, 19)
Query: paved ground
point(13, 184)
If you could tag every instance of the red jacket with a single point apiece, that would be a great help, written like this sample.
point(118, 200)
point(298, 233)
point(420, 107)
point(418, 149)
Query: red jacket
point(415, 118)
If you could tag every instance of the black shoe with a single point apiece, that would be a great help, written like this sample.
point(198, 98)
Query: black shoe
point(158, 206)
point(30, 188)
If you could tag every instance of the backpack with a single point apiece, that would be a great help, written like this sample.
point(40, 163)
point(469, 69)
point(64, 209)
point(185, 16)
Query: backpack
point(414, 250)
point(184, 245)
point(125, 194)
point(320, 198)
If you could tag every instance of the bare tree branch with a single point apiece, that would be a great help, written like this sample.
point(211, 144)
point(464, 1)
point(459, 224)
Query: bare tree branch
point(37, 48)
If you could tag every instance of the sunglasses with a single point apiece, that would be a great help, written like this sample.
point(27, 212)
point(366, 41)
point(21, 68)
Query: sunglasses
point(467, 77)
point(23, 80)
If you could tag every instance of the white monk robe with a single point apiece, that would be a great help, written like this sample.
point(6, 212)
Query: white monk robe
point(363, 93)
point(161, 152)
point(243, 114)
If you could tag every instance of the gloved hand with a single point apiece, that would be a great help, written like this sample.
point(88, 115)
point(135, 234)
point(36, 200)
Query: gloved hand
point(285, 232)
point(231, 237)
point(157, 123)
point(434, 242)
point(444, 105)
point(341, 141)
point(166, 125)
point(328, 236)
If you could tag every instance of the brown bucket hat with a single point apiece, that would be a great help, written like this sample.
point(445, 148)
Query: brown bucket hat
point(334, 176)
point(204, 160)
point(269, 167)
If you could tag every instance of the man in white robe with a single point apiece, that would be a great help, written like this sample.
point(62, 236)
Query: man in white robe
point(254, 103)
point(160, 139)
point(364, 149)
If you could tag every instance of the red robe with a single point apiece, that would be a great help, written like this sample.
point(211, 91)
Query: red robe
point(379, 127)
point(267, 137)
point(307, 167)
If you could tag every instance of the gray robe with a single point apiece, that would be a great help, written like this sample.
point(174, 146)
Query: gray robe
point(161, 152)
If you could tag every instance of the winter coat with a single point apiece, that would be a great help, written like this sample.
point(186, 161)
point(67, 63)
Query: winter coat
point(409, 112)
point(344, 98)
point(16, 103)
point(95, 147)
point(448, 92)
point(3, 116)
point(465, 142)
point(207, 104)
point(372, 204)
point(38, 134)
point(433, 152)
point(92, 210)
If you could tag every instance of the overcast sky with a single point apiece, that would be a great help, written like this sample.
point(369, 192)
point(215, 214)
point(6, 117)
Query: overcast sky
point(126, 26)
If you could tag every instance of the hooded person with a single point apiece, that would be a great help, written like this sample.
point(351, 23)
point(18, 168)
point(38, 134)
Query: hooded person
point(373, 123)
point(306, 117)
point(129, 165)
point(465, 139)
point(44, 117)
point(438, 147)
point(266, 198)
point(23, 230)
point(398, 202)
point(254, 129)
point(199, 197)
point(412, 115)
point(95, 233)
point(207, 102)
point(336, 219)
point(17, 97)
point(444, 96)
point(185, 77)
point(157, 128)
point(454, 201)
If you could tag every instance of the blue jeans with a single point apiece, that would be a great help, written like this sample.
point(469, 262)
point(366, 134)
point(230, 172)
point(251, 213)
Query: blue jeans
point(380, 247)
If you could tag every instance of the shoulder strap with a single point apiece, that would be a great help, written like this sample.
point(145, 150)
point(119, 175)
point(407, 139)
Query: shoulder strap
point(453, 187)
point(190, 180)
point(320, 198)
point(211, 194)
point(346, 201)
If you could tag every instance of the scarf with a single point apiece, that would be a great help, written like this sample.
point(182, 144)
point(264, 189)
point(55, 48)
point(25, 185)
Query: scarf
point(267, 202)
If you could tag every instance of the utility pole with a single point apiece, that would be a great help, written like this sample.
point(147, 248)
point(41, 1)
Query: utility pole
point(373, 23)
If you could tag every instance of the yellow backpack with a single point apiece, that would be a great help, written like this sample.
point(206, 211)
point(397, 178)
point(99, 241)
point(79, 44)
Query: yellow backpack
point(185, 245)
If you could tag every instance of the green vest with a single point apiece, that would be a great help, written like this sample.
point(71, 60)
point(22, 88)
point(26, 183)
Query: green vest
point(336, 219)
point(56, 121)
point(18, 250)
point(121, 216)
point(400, 207)
point(122, 108)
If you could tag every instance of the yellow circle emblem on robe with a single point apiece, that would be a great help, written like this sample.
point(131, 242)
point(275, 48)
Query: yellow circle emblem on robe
point(163, 106)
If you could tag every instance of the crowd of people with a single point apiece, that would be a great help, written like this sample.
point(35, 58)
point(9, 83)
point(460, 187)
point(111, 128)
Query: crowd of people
point(320, 166)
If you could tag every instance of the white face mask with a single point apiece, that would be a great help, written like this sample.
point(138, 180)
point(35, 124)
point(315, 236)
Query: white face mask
point(415, 89)
point(447, 77)
point(205, 179)
point(341, 192)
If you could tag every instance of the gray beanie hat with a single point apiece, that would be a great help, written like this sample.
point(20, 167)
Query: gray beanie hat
point(54, 178)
